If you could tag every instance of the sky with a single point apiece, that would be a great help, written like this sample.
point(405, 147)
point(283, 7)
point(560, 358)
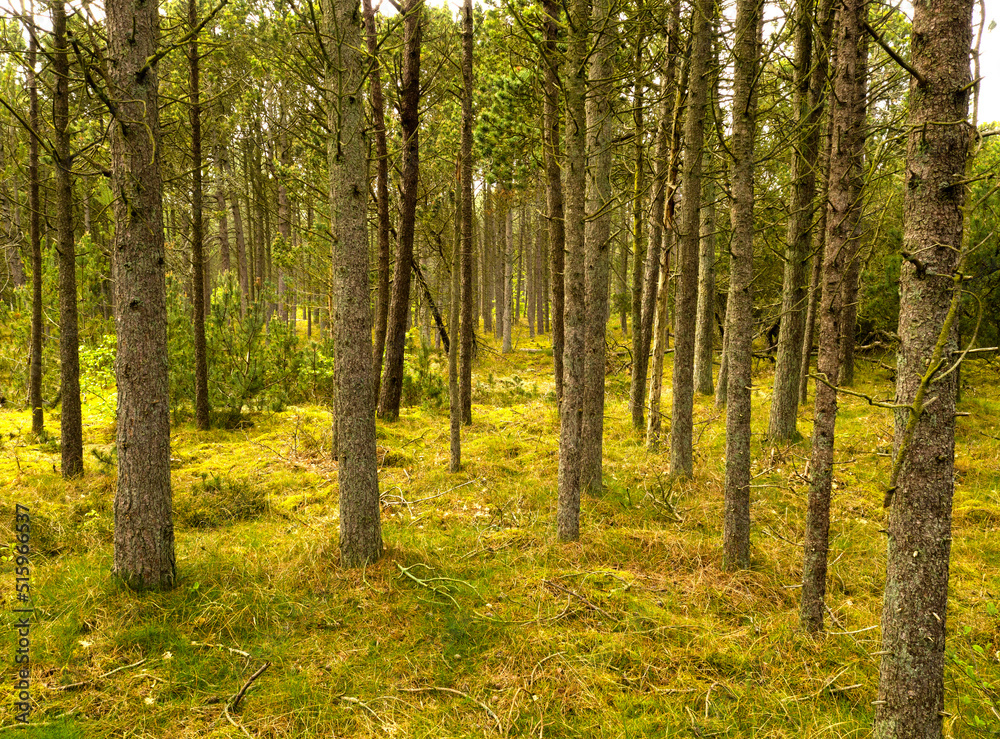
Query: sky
point(989, 60)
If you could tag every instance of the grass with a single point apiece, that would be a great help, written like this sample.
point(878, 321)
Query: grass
point(476, 622)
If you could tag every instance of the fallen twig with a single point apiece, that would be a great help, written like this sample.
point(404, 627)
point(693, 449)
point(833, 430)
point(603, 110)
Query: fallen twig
point(235, 702)
point(439, 689)
point(72, 686)
point(576, 595)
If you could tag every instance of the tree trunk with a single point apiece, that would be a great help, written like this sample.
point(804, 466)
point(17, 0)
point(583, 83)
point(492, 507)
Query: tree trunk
point(807, 104)
point(739, 306)
point(71, 421)
point(488, 260)
point(144, 531)
point(454, 391)
point(705, 321)
point(360, 525)
point(241, 244)
point(574, 189)
point(35, 235)
point(381, 191)
point(639, 246)
point(686, 298)
point(911, 679)
point(651, 270)
point(508, 273)
point(553, 187)
point(843, 217)
point(468, 317)
point(392, 381)
point(597, 239)
point(201, 410)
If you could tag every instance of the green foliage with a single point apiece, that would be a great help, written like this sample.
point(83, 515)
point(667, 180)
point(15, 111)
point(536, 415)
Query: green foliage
point(423, 374)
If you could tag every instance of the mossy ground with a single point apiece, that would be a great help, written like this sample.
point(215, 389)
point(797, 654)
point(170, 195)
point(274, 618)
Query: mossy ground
point(476, 622)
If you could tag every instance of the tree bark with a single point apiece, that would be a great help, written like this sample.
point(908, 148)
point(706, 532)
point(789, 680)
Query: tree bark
point(654, 251)
point(553, 187)
point(71, 420)
point(392, 380)
point(705, 320)
point(347, 154)
point(686, 298)
point(381, 191)
point(843, 218)
point(911, 678)
point(810, 71)
point(468, 318)
point(739, 306)
point(454, 390)
point(597, 239)
point(574, 189)
point(201, 407)
point(35, 235)
point(508, 273)
point(144, 531)
point(639, 245)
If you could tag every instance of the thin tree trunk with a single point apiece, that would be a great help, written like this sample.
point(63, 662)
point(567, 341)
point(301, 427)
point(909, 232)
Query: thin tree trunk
point(914, 612)
point(574, 188)
point(553, 188)
point(220, 199)
point(468, 317)
point(488, 266)
point(35, 235)
point(144, 532)
point(686, 298)
point(739, 306)
point(201, 408)
point(705, 321)
point(651, 271)
point(454, 391)
point(241, 245)
point(381, 191)
point(843, 218)
point(508, 273)
point(71, 420)
point(392, 381)
point(807, 104)
point(639, 245)
point(597, 239)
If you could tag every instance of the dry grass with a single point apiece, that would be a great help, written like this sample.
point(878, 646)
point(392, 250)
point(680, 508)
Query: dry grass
point(476, 622)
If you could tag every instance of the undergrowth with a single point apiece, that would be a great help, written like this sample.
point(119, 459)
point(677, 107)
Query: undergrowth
point(476, 622)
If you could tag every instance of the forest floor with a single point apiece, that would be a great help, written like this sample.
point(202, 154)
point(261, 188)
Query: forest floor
point(477, 622)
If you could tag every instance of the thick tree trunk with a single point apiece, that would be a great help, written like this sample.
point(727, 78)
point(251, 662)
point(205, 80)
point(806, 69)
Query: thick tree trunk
point(71, 421)
point(811, 65)
point(911, 679)
point(201, 408)
point(35, 236)
point(144, 531)
point(360, 525)
point(843, 217)
point(686, 298)
point(597, 239)
point(553, 187)
point(574, 189)
point(739, 306)
point(392, 380)
point(381, 191)
point(654, 251)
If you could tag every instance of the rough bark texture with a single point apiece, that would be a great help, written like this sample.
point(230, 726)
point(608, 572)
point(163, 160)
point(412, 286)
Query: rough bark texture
point(71, 420)
point(807, 109)
point(35, 236)
point(347, 154)
point(654, 251)
point(847, 120)
point(201, 410)
point(574, 188)
point(381, 191)
point(704, 334)
point(392, 379)
point(686, 298)
point(507, 281)
point(739, 307)
point(144, 531)
point(468, 318)
point(454, 390)
point(597, 239)
point(639, 243)
point(911, 679)
point(553, 186)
